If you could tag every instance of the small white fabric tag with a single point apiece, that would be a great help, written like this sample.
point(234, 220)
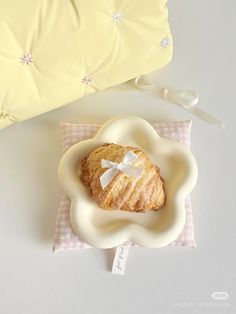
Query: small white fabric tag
point(119, 261)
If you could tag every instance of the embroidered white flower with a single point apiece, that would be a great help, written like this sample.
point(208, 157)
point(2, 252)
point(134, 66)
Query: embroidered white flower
point(87, 79)
point(164, 42)
point(26, 59)
point(117, 16)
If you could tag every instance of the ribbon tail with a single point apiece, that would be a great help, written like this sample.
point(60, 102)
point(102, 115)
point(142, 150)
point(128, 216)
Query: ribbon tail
point(205, 116)
point(188, 100)
point(129, 157)
point(107, 177)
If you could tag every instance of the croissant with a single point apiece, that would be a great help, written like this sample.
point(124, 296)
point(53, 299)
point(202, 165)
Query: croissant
point(123, 192)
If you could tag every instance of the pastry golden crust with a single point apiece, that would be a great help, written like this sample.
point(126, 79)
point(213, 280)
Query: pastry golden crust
point(123, 192)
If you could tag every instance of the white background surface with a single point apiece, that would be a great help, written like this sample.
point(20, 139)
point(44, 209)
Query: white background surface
point(169, 280)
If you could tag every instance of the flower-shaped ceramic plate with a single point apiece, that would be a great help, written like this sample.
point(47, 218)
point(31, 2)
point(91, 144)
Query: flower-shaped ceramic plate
point(106, 229)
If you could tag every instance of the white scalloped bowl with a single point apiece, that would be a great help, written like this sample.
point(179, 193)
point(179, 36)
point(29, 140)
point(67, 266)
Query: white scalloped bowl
point(107, 229)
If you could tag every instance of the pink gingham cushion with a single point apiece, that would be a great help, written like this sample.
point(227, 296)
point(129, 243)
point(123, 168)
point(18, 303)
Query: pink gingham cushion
point(65, 238)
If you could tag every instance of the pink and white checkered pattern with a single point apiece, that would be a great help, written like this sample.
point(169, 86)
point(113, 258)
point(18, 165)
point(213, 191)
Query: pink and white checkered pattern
point(65, 238)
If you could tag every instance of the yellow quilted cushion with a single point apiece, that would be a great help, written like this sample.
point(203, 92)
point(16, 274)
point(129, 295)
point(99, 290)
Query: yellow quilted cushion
point(53, 52)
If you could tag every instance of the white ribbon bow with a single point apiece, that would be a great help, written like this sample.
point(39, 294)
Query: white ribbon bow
point(124, 166)
point(187, 99)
